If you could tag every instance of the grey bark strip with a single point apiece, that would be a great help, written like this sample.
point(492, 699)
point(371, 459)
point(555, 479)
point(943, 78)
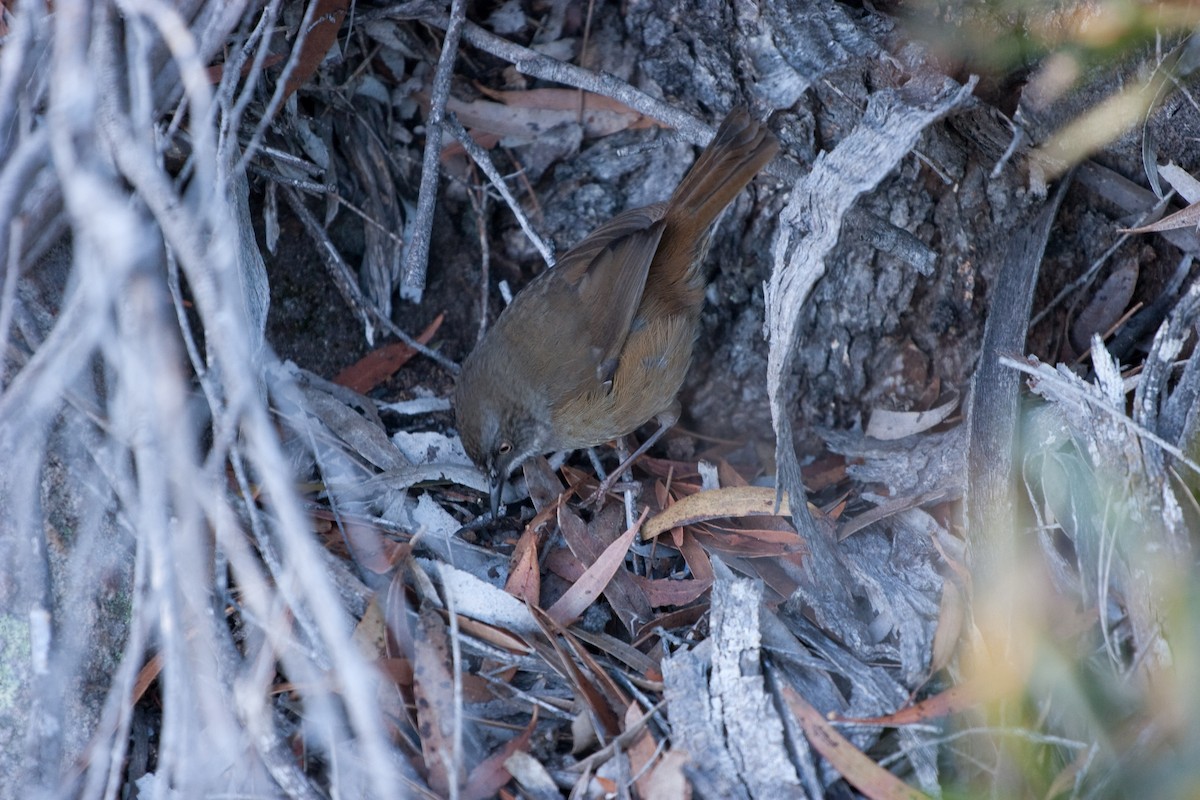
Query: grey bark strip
point(809, 229)
point(992, 411)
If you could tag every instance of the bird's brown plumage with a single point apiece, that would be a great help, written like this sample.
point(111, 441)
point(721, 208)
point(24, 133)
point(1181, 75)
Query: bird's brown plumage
point(597, 346)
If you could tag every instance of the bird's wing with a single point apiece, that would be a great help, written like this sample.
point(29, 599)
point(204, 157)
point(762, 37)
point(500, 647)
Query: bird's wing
point(596, 289)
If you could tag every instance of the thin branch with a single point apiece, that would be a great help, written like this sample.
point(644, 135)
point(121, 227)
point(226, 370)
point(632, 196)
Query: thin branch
point(416, 260)
point(479, 205)
point(1045, 374)
point(347, 286)
point(481, 157)
point(281, 88)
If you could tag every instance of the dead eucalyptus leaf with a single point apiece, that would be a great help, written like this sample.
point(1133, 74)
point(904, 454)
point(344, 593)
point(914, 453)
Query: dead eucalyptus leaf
point(529, 121)
point(433, 690)
point(732, 501)
point(1181, 181)
point(951, 617)
point(584, 591)
point(1107, 306)
point(1186, 218)
point(855, 766)
point(887, 425)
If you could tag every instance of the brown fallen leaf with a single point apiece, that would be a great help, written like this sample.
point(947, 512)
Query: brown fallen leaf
point(1107, 305)
point(326, 22)
point(217, 71)
point(666, 592)
point(524, 576)
point(626, 597)
point(855, 766)
point(890, 508)
point(684, 475)
point(954, 700)
point(749, 543)
point(564, 100)
point(668, 781)
point(591, 684)
point(371, 637)
point(497, 637)
point(734, 501)
point(618, 650)
point(146, 676)
point(584, 591)
point(952, 616)
point(641, 750)
point(370, 634)
point(696, 558)
point(1185, 218)
point(368, 549)
point(680, 618)
point(490, 775)
point(435, 707)
point(527, 118)
point(779, 574)
point(546, 491)
point(398, 671)
point(382, 363)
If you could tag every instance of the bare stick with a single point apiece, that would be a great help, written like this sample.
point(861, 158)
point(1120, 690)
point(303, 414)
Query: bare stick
point(339, 270)
point(479, 204)
point(481, 157)
point(531, 62)
point(412, 283)
point(281, 86)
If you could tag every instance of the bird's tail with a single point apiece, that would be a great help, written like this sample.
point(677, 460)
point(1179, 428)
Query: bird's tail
point(741, 147)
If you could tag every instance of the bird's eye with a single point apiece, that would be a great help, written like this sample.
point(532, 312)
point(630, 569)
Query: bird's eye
point(505, 448)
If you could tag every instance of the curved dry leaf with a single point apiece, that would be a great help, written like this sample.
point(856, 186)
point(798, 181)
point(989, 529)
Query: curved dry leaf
point(490, 775)
point(592, 685)
point(750, 542)
point(584, 591)
point(1181, 181)
point(888, 425)
point(668, 592)
point(568, 100)
point(641, 750)
point(954, 700)
point(1185, 218)
point(528, 121)
point(855, 766)
point(697, 560)
point(668, 781)
point(370, 634)
point(383, 362)
point(587, 543)
point(531, 775)
point(497, 637)
point(1107, 306)
point(732, 501)
point(524, 576)
point(326, 22)
point(435, 703)
point(952, 615)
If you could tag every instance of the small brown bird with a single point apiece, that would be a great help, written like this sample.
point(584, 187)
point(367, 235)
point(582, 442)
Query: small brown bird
point(594, 348)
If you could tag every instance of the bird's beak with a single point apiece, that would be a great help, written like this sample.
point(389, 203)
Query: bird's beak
point(497, 482)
